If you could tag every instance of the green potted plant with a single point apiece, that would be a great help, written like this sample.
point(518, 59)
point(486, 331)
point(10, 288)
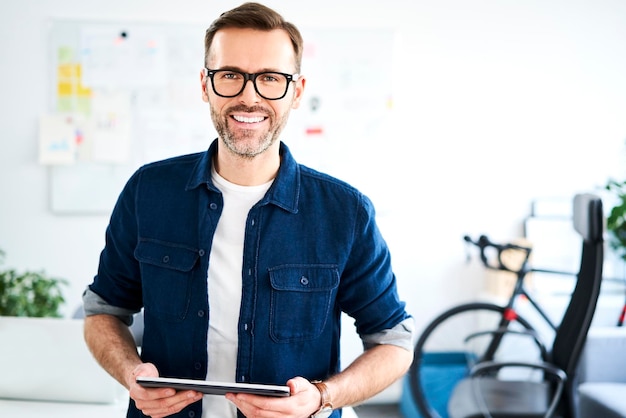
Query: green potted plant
point(616, 219)
point(30, 294)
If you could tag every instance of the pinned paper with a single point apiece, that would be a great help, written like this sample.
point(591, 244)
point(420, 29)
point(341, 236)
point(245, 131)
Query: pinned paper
point(115, 57)
point(57, 140)
point(109, 128)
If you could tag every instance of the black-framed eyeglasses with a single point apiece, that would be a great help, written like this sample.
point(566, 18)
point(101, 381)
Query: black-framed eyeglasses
point(269, 85)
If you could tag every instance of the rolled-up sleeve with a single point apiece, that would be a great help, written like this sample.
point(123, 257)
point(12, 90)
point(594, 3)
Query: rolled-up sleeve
point(402, 335)
point(93, 304)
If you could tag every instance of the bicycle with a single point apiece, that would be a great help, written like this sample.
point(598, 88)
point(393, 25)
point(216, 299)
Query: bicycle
point(441, 356)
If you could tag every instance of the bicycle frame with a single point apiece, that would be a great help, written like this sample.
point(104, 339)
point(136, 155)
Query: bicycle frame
point(519, 289)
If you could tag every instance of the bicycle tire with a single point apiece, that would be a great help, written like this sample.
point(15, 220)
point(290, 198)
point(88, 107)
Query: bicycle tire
point(439, 361)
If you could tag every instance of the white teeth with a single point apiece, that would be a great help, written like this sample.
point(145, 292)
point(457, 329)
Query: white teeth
point(248, 120)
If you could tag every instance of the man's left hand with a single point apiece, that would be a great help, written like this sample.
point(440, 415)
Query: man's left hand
point(303, 401)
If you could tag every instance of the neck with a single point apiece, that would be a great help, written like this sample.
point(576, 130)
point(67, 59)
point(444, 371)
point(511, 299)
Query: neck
point(248, 171)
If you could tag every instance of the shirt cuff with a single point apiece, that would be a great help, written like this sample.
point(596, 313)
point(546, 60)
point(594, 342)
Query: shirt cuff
point(402, 335)
point(93, 304)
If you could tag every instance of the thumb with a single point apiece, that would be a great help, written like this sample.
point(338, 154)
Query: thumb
point(297, 384)
point(142, 369)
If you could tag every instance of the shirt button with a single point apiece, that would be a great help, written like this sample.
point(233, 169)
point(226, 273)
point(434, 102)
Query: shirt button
point(192, 414)
point(201, 253)
point(201, 313)
point(166, 259)
point(304, 281)
point(213, 206)
point(197, 366)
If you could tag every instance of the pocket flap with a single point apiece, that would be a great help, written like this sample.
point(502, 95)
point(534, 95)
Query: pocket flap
point(304, 278)
point(167, 255)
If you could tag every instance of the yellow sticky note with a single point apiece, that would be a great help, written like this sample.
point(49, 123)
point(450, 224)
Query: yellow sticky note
point(82, 91)
point(65, 88)
point(66, 71)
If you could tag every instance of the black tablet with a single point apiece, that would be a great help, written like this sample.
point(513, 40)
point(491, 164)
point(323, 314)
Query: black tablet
point(212, 388)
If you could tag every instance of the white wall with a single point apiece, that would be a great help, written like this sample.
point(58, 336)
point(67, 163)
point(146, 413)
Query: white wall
point(497, 103)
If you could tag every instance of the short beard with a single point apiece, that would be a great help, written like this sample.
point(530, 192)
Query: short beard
point(235, 144)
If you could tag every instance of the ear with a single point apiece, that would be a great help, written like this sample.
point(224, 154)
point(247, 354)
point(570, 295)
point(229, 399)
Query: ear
point(204, 82)
point(299, 91)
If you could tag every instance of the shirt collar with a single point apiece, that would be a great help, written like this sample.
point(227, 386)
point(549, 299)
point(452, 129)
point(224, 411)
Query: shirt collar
point(283, 193)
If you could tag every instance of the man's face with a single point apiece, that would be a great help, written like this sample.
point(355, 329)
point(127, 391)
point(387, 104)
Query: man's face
point(248, 124)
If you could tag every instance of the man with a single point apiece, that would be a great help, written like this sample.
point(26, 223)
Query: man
point(243, 260)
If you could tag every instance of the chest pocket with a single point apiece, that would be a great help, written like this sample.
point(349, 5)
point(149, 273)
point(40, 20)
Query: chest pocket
point(301, 301)
point(166, 274)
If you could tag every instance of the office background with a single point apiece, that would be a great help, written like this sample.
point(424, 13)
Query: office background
point(495, 104)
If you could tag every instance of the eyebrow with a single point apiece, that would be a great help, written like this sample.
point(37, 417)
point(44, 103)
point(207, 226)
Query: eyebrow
point(262, 70)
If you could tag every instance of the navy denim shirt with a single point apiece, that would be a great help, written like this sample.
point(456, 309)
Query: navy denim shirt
point(312, 250)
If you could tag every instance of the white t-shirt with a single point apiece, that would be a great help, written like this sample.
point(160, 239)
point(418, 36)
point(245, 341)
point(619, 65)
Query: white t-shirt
point(224, 284)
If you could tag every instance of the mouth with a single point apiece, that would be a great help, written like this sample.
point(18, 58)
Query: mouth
point(249, 119)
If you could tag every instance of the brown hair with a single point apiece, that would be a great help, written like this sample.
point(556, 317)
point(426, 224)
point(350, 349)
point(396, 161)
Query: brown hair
point(254, 16)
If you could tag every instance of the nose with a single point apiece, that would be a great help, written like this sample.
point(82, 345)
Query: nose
point(249, 94)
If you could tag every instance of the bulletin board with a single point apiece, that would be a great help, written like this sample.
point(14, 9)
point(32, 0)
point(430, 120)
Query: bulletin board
point(126, 93)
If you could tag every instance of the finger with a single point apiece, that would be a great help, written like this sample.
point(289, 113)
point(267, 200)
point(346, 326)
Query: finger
point(261, 406)
point(143, 369)
point(298, 384)
point(139, 393)
point(170, 405)
point(164, 402)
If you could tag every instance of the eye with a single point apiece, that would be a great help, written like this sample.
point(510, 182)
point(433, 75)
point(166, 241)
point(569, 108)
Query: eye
point(228, 75)
point(270, 77)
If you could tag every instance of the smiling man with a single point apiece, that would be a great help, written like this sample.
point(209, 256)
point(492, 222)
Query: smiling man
point(242, 259)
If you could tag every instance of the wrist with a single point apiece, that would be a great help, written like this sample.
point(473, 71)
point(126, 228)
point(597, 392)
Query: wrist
point(326, 406)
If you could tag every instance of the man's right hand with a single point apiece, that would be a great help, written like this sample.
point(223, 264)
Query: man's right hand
point(158, 402)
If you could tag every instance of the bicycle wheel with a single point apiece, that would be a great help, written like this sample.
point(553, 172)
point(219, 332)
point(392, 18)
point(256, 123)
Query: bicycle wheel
point(442, 356)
